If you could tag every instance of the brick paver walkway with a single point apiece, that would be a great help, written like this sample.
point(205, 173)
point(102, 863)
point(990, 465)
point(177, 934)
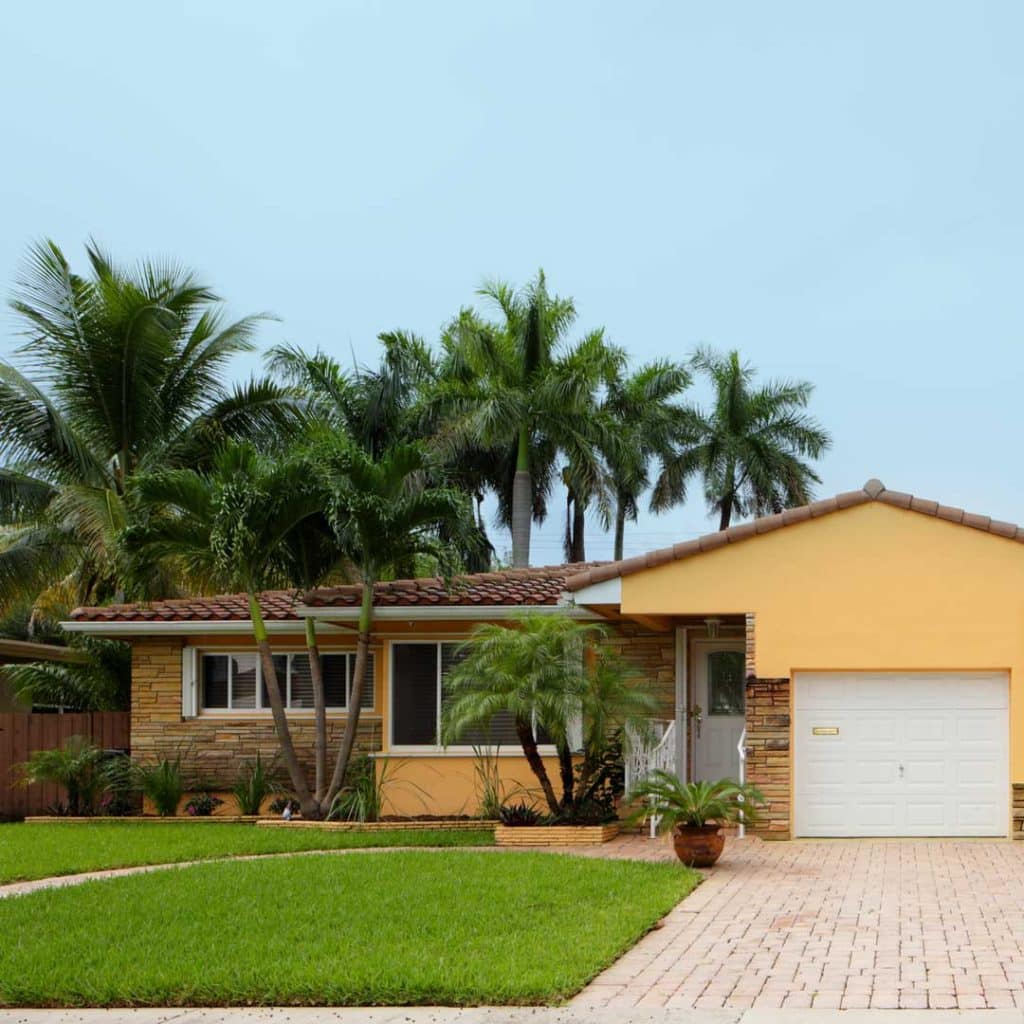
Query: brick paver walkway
point(835, 924)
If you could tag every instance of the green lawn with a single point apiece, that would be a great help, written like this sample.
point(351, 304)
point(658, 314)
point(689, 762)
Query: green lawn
point(450, 927)
point(38, 850)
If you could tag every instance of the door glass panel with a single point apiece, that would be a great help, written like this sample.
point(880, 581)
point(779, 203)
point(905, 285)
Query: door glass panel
point(725, 682)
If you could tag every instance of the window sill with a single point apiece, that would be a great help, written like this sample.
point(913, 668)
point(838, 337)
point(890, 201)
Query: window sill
point(227, 713)
point(465, 752)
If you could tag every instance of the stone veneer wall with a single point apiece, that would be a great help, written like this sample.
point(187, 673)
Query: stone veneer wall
point(768, 753)
point(653, 656)
point(1017, 827)
point(212, 748)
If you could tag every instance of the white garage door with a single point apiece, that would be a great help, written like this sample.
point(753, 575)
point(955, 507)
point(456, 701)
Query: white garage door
point(901, 754)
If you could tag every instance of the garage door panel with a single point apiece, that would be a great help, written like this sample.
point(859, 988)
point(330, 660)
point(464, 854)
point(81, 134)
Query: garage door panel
point(929, 814)
point(914, 754)
point(979, 773)
point(920, 774)
point(931, 728)
point(872, 772)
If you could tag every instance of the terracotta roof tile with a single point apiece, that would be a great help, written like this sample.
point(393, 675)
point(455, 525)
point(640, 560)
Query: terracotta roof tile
point(873, 490)
point(514, 587)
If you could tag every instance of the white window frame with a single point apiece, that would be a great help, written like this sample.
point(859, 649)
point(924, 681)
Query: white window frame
point(438, 749)
point(198, 709)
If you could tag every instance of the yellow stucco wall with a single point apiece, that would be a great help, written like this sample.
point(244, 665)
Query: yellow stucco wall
point(446, 784)
point(870, 587)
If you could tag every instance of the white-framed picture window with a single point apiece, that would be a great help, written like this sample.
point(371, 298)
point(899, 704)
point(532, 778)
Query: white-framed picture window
point(419, 670)
point(233, 681)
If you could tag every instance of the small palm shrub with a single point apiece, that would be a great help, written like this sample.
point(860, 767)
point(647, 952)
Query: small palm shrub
point(256, 781)
point(695, 804)
point(163, 783)
point(520, 814)
point(77, 767)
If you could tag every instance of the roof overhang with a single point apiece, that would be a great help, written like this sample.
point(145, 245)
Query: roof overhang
point(14, 651)
point(605, 592)
point(482, 613)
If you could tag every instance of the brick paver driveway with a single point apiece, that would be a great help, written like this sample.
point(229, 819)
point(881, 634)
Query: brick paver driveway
point(839, 923)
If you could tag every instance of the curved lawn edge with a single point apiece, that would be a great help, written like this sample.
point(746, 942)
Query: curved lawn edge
point(30, 852)
point(415, 928)
point(32, 885)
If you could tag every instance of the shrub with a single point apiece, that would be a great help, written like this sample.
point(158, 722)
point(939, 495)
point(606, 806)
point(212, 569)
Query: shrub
point(487, 774)
point(363, 795)
point(202, 805)
point(519, 814)
point(281, 803)
point(256, 781)
point(76, 767)
point(163, 783)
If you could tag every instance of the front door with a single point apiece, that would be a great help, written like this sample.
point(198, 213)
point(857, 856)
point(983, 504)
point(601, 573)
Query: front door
point(718, 711)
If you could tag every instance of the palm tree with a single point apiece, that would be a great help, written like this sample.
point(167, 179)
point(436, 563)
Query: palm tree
point(99, 679)
point(251, 523)
point(390, 405)
point(226, 526)
point(751, 448)
point(646, 424)
point(122, 374)
point(548, 672)
point(385, 512)
point(513, 390)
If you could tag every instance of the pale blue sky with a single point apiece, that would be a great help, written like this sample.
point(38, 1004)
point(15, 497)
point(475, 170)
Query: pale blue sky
point(836, 190)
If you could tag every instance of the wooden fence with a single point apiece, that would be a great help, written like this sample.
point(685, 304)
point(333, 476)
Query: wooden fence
point(22, 734)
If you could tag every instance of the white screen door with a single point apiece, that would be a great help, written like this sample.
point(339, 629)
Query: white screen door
point(719, 692)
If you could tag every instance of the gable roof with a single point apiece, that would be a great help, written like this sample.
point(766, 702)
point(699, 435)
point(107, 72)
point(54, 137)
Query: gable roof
point(542, 585)
point(873, 490)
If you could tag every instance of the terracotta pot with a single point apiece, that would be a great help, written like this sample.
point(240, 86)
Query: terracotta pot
point(698, 846)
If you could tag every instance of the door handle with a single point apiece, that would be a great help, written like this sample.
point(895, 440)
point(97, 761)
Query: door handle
point(899, 768)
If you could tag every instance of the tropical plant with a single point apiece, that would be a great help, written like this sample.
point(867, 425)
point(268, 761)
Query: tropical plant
point(256, 781)
point(487, 777)
point(373, 410)
point(76, 766)
point(122, 374)
point(646, 424)
point(696, 804)
point(234, 523)
point(100, 680)
point(163, 783)
point(202, 805)
point(226, 525)
point(516, 392)
point(362, 797)
point(367, 783)
point(556, 678)
point(520, 814)
point(384, 512)
point(283, 803)
point(751, 449)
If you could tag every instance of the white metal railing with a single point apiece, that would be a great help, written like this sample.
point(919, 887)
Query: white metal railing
point(646, 754)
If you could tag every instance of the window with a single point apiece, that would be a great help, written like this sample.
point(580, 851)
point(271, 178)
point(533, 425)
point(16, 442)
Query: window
point(725, 683)
point(418, 693)
point(234, 682)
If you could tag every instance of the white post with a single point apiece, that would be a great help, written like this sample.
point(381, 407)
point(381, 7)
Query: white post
point(742, 748)
point(682, 699)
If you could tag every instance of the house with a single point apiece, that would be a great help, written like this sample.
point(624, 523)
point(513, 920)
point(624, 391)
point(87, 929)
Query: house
point(860, 659)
